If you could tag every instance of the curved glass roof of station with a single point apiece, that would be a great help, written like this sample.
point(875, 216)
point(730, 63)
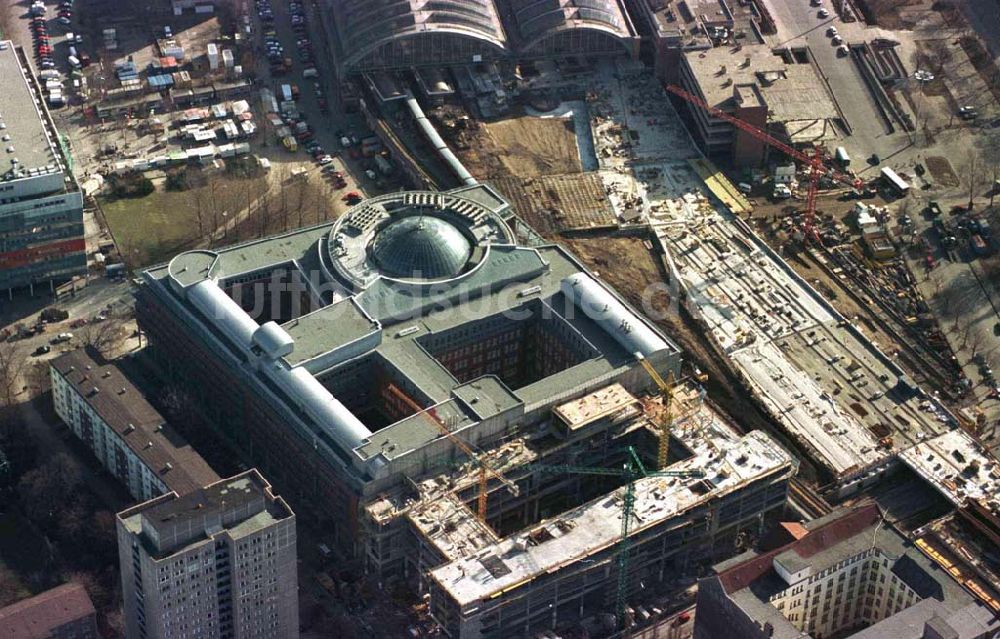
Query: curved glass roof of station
point(537, 19)
point(421, 247)
point(367, 27)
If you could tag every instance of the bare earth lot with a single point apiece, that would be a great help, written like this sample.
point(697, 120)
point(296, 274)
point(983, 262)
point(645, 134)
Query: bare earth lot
point(522, 146)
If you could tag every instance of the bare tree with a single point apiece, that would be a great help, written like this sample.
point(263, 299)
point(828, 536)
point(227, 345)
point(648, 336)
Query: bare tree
point(11, 587)
point(13, 360)
point(197, 197)
point(45, 491)
point(104, 337)
point(973, 174)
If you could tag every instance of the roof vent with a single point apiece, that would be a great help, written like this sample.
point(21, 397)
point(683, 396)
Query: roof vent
point(168, 466)
point(106, 374)
point(95, 390)
point(149, 444)
point(121, 391)
point(129, 428)
point(10, 149)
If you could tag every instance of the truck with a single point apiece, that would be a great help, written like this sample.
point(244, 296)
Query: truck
point(290, 143)
point(286, 92)
point(384, 166)
point(782, 192)
point(842, 157)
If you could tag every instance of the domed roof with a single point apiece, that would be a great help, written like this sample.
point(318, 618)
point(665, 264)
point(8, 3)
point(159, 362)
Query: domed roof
point(421, 246)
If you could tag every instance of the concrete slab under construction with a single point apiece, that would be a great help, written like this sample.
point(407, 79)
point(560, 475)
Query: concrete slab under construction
point(820, 376)
point(595, 527)
point(829, 385)
point(958, 466)
point(727, 485)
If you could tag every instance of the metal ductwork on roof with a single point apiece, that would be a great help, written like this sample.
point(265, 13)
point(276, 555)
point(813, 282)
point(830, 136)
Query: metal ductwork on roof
point(600, 305)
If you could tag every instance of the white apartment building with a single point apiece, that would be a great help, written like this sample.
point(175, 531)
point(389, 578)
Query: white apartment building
point(126, 434)
point(849, 574)
point(217, 563)
point(859, 590)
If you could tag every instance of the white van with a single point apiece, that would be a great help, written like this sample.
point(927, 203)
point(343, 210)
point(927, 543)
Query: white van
point(73, 61)
point(310, 73)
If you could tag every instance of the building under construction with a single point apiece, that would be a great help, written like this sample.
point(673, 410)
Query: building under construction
point(552, 554)
point(445, 400)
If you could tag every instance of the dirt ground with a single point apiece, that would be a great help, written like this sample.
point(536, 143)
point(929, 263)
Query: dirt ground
point(522, 146)
point(554, 203)
point(888, 13)
point(941, 170)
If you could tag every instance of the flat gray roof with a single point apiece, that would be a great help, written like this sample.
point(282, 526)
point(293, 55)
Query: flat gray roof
point(22, 118)
point(793, 92)
point(406, 324)
point(326, 329)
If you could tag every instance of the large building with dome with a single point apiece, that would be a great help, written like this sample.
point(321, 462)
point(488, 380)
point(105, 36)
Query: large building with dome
point(313, 349)
point(410, 376)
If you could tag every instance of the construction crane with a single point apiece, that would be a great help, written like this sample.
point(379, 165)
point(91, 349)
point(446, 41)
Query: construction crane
point(485, 470)
point(631, 470)
point(814, 161)
point(666, 419)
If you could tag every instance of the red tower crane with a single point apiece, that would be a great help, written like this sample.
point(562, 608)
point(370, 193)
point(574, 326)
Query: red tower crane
point(814, 161)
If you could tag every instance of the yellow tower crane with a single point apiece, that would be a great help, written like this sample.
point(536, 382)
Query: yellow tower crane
point(666, 390)
point(485, 470)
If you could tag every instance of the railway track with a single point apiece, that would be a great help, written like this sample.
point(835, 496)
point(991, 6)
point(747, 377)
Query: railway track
point(807, 500)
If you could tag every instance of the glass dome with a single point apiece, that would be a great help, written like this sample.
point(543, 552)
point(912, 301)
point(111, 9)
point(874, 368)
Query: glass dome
point(421, 247)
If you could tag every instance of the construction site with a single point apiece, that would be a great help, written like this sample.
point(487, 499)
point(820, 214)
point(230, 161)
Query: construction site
point(479, 418)
point(796, 277)
point(506, 427)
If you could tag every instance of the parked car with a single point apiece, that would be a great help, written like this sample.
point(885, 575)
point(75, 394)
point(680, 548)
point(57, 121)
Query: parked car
point(42, 350)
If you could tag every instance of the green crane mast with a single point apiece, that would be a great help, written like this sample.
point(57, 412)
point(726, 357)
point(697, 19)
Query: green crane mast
point(631, 470)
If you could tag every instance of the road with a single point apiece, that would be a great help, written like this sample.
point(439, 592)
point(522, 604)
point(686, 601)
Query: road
point(325, 126)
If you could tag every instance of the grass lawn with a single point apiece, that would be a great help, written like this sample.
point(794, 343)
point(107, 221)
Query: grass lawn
point(156, 227)
point(152, 228)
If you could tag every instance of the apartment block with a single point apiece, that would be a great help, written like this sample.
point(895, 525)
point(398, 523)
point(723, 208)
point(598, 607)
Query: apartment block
point(126, 434)
point(219, 562)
